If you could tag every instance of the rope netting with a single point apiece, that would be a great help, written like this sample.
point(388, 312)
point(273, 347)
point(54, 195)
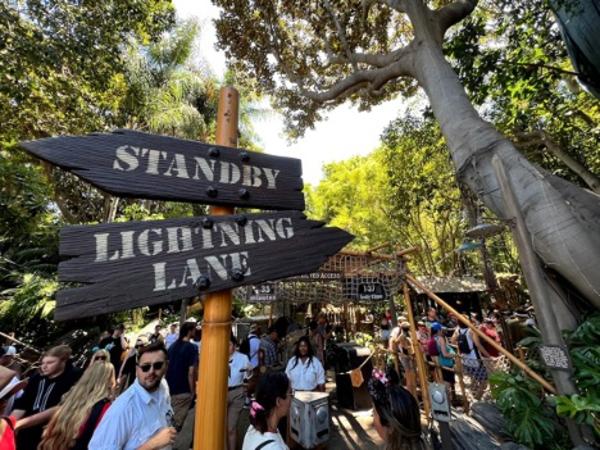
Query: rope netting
point(365, 278)
point(343, 278)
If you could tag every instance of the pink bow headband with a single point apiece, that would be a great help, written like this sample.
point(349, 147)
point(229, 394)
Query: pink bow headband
point(254, 407)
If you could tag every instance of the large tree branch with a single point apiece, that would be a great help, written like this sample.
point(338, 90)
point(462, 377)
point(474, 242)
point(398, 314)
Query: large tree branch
point(540, 137)
point(454, 12)
point(374, 79)
point(376, 60)
point(341, 34)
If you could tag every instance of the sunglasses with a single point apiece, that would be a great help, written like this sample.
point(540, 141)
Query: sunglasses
point(99, 358)
point(156, 366)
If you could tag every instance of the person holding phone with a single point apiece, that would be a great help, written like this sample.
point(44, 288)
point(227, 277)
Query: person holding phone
point(141, 418)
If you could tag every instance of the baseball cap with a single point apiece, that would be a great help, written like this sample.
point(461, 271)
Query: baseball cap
point(8, 350)
point(436, 326)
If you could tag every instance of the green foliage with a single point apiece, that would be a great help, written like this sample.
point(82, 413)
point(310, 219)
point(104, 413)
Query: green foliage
point(584, 348)
point(528, 418)
point(61, 60)
point(404, 193)
point(582, 409)
point(364, 340)
point(71, 68)
point(352, 196)
point(27, 308)
point(527, 82)
point(424, 200)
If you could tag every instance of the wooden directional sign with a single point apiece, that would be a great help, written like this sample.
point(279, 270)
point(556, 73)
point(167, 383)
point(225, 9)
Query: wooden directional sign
point(140, 165)
point(134, 264)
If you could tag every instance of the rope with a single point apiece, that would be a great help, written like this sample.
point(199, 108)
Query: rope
point(361, 366)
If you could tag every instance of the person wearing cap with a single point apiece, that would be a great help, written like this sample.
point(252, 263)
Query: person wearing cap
point(8, 358)
point(432, 317)
point(392, 344)
point(441, 353)
point(240, 370)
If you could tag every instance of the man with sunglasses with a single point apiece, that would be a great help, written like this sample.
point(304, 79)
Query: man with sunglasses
point(141, 418)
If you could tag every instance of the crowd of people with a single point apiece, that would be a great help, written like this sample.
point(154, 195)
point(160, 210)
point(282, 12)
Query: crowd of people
point(139, 396)
point(443, 339)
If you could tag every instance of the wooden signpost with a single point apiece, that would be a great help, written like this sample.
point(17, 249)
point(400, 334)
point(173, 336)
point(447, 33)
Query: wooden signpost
point(140, 165)
point(132, 264)
point(163, 261)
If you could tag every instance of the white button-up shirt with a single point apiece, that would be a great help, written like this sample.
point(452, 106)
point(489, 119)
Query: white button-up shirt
point(133, 418)
point(305, 376)
point(239, 369)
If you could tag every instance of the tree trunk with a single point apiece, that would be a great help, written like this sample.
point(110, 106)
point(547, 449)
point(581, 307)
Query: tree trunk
point(562, 219)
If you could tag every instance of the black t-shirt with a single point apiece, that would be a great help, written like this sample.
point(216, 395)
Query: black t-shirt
point(128, 372)
point(42, 393)
point(114, 347)
point(182, 356)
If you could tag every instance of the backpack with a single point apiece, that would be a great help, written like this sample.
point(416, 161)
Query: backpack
point(463, 343)
point(245, 346)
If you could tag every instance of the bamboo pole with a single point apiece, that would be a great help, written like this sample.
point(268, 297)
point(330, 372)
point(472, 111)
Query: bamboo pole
point(408, 250)
point(516, 361)
point(418, 354)
point(211, 389)
point(460, 371)
point(10, 338)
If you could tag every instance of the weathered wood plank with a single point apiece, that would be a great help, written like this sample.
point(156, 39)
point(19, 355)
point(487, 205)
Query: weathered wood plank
point(141, 165)
point(134, 264)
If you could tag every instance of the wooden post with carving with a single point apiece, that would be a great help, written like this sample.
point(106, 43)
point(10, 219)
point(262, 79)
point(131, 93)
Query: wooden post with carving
point(211, 389)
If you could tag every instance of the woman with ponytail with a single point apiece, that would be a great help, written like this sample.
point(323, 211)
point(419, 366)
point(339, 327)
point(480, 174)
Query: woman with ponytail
point(81, 409)
point(273, 399)
point(396, 414)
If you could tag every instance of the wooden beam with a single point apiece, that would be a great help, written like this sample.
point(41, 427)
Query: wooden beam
point(421, 367)
point(516, 361)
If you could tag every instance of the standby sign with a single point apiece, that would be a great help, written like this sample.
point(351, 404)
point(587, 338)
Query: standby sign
point(142, 165)
point(131, 264)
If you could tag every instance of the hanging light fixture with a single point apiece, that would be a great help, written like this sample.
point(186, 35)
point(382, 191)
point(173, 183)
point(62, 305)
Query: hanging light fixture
point(484, 231)
point(468, 246)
